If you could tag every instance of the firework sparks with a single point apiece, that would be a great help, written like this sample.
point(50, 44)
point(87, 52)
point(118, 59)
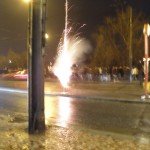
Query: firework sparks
point(69, 50)
point(62, 67)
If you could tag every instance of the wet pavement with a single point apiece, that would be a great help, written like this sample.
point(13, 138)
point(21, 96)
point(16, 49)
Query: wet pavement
point(86, 116)
point(121, 91)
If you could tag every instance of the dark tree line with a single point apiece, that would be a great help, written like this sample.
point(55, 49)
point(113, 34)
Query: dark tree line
point(13, 60)
point(112, 40)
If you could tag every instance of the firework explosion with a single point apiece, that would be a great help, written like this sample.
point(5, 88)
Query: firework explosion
point(69, 50)
point(65, 60)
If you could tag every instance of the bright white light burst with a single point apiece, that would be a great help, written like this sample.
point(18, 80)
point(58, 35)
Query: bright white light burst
point(70, 49)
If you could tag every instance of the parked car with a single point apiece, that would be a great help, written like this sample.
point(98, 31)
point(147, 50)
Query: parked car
point(22, 75)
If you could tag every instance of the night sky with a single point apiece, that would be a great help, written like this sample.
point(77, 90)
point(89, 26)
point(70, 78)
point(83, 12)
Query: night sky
point(13, 20)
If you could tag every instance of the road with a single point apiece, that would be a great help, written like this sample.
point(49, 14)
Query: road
point(101, 115)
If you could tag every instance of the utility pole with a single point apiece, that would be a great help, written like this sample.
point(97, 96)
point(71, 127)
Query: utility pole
point(130, 43)
point(36, 68)
point(43, 24)
point(146, 32)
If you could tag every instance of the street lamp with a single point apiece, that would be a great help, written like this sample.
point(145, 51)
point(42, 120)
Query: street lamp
point(146, 29)
point(46, 36)
point(10, 61)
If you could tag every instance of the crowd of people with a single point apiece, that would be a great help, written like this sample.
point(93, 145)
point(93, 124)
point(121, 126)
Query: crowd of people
point(105, 74)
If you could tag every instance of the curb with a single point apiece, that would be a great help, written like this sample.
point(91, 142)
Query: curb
point(82, 96)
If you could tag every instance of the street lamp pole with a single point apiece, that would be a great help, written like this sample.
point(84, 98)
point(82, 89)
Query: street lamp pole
point(146, 32)
point(130, 43)
point(36, 67)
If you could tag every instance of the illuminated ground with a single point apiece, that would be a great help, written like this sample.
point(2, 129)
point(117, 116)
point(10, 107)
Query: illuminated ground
point(79, 121)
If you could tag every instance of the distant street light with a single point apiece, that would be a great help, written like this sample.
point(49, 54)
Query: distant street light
point(146, 29)
point(10, 61)
point(27, 1)
point(46, 36)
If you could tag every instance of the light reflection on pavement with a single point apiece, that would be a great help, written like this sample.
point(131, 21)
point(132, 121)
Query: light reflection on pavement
point(62, 109)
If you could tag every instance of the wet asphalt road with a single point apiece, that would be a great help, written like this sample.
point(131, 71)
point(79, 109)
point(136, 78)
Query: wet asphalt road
point(102, 115)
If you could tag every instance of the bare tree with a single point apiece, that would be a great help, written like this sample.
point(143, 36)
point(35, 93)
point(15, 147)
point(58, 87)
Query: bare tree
point(113, 37)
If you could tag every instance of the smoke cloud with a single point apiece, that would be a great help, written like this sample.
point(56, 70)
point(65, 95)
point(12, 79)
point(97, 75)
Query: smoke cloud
point(73, 51)
point(78, 49)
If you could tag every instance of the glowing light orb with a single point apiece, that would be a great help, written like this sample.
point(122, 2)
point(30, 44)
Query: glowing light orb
point(27, 1)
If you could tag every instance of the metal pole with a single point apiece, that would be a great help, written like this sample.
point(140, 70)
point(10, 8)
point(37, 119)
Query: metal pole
point(36, 73)
point(146, 63)
point(44, 17)
point(130, 44)
point(43, 24)
point(146, 32)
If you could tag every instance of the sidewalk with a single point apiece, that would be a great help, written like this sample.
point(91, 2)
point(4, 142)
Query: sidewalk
point(58, 138)
point(120, 91)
